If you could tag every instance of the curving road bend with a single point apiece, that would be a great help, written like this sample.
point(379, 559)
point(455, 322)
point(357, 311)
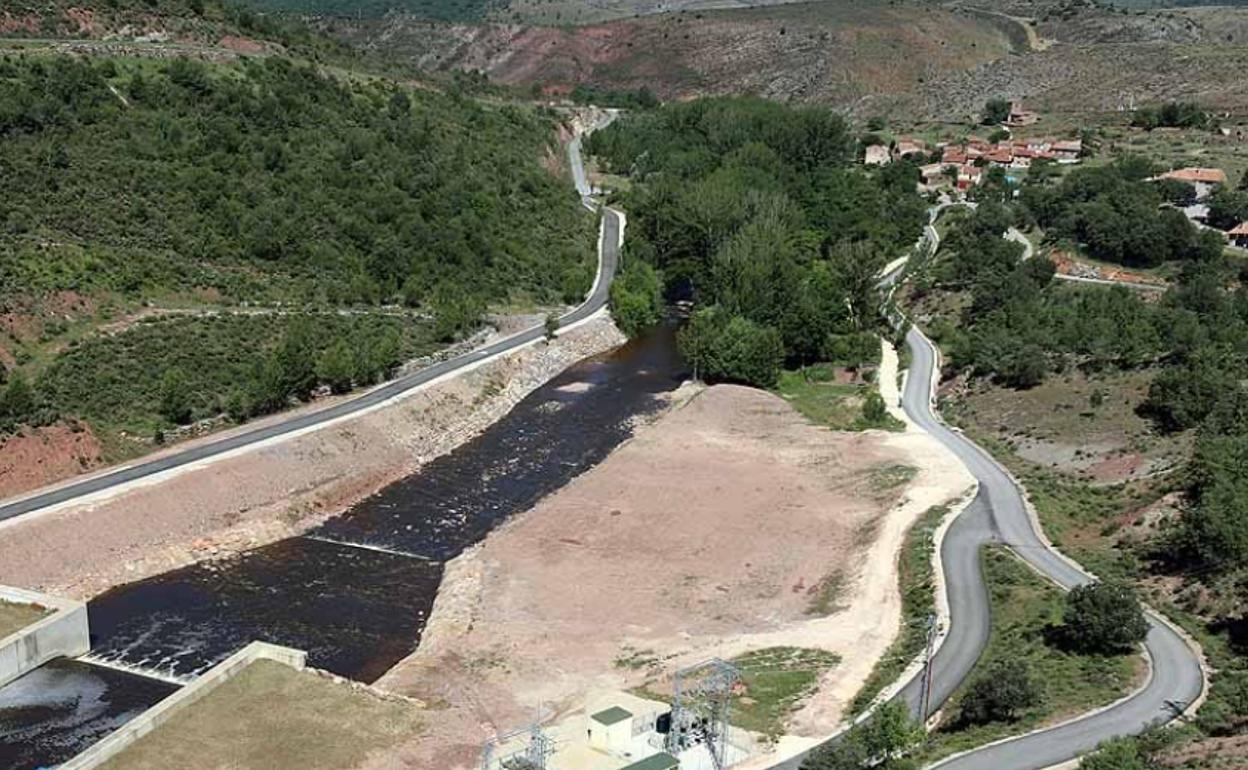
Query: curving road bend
point(999, 515)
point(608, 259)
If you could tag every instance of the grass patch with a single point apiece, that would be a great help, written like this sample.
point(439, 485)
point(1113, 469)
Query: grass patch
point(825, 596)
point(918, 601)
point(1025, 607)
point(776, 680)
point(884, 478)
point(834, 405)
point(271, 715)
point(14, 617)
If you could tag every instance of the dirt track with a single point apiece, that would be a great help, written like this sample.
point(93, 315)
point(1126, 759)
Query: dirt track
point(708, 534)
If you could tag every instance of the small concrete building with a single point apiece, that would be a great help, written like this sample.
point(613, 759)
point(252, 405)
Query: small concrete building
point(876, 155)
point(611, 729)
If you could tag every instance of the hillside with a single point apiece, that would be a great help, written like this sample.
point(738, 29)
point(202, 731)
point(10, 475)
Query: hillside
point(915, 61)
point(182, 241)
point(824, 52)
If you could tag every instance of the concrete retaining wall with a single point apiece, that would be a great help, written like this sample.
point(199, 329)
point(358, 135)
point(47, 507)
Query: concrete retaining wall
point(157, 715)
point(63, 633)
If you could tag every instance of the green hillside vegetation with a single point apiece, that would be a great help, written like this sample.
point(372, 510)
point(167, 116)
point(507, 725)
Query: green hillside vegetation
point(203, 22)
point(757, 208)
point(1019, 327)
point(1029, 675)
point(264, 182)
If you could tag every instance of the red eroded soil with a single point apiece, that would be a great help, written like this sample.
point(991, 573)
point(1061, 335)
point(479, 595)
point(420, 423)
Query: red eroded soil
point(10, 23)
point(84, 18)
point(241, 44)
point(1118, 468)
point(40, 456)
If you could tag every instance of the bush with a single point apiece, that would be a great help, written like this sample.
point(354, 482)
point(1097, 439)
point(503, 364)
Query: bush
point(636, 298)
point(996, 111)
point(175, 404)
point(1116, 754)
point(1103, 617)
point(1000, 693)
point(879, 743)
point(731, 349)
point(874, 410)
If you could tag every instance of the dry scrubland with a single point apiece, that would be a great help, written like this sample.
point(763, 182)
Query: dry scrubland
point(826, 52)
point(908, 61)
point(269, 493)
point(730, 525)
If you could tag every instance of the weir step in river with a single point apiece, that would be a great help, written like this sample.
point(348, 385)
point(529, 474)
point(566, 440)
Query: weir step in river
point(355, 592)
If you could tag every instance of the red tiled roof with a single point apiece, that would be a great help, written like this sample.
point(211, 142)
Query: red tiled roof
point(1239, 229)
point(1203, 175)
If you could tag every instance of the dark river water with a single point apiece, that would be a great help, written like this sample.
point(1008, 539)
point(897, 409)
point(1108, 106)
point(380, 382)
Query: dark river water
point(355, 592)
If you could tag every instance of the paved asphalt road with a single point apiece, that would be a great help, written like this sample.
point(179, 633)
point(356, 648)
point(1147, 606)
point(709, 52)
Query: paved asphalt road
point(996, 515)
point(999, 515)
point(607, 261)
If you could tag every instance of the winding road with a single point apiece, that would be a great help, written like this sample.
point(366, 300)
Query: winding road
point(110, 481)
point(999, 515)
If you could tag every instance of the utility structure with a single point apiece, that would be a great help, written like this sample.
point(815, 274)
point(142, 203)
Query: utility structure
point(504, 752)
point(701, 704)
point(925, 699)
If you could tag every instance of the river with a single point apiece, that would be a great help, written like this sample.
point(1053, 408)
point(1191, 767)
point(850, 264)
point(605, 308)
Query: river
point(355, 592)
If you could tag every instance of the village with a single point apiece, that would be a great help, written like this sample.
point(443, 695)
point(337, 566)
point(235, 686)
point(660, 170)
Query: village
point(960, 166)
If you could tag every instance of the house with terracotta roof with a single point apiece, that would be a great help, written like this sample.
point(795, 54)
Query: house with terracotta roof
point(933, 174)
point(1067, 150)
point(954, 156)
point(907, 147)
point(1203, 179)
point(1239, 235)
point(969, 176)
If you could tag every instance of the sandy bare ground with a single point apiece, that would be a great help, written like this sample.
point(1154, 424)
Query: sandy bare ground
point(707, 534)
point(272, 492)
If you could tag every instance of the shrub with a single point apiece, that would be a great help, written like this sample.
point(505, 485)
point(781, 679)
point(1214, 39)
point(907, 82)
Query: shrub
point(1000, 693)
point(1116, 754)
point(1104, 617)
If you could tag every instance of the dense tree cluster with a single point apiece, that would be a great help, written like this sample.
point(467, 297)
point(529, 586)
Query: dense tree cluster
point(636, 293)
point(639, 99)
point(1227, 208)
point(268, 180)
point(995, 111)
point(1019, 326)
point(175, 370)
point(1171, 115)
point(755, 206)
point(1113, 212)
